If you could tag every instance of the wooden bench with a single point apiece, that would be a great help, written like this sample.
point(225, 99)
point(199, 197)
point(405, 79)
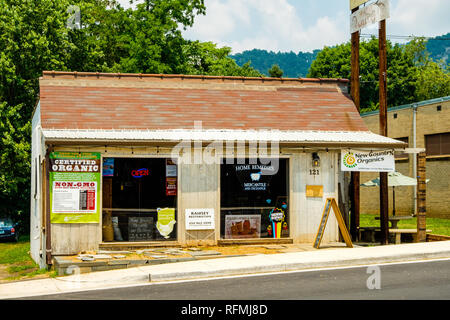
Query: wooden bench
point(398, 233)
point(394, 220)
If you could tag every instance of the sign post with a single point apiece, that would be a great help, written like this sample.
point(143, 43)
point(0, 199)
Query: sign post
point(384, 202)
point(360, 18)
point(355, 94)
point(368, 15)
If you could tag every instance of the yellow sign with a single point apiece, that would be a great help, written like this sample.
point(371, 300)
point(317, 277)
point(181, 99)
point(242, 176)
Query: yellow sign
point(356, 3)
point(331, 204)
point(314, 191)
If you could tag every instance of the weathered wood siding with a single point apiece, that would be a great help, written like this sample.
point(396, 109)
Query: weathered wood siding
point(199, 188)
point(68, 239)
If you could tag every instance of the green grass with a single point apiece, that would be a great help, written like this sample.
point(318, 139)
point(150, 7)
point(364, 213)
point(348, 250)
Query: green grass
point(15, 252)
point(436, 225)
point(16, 256)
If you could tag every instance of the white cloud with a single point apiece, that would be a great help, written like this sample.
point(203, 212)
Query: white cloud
point(277, 25)
point(420, 18)
point(266, 24)
point(221, 20)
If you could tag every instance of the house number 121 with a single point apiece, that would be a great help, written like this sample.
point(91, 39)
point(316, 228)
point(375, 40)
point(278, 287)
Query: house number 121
point(314, 172)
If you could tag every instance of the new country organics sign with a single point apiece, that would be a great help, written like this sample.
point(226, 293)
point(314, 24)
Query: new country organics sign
point(373, 161)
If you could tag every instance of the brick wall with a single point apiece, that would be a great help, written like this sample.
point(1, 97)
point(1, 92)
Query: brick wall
point(429, 121)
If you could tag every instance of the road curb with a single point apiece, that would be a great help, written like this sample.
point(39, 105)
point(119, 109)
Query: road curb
point(259, 268)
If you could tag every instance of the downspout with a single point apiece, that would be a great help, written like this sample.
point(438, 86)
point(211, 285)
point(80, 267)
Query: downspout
point(48, 240)
point(414, 155)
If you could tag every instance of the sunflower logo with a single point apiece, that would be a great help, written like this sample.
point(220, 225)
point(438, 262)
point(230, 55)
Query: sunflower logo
point(349, 160)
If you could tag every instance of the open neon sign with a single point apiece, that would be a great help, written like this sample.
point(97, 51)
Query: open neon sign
point(139, 173)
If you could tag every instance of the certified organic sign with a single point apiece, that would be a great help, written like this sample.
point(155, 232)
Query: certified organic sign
point(376, 161)
point(371, 14)
point(74, 187)
point(199, 219)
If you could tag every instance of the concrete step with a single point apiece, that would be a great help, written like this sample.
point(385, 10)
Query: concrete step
point(129, 246)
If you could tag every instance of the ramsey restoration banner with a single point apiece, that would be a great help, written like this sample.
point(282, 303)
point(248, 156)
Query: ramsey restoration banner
point(372, 161)
point(74, 187)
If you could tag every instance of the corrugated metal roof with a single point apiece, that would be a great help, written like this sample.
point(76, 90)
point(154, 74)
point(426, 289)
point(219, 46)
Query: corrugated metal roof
point(95, 107)
point(167, 102)
point(409, 106)
point(298, 137)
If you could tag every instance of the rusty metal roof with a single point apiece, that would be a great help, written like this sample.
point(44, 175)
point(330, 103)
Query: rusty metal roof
point(98, 102)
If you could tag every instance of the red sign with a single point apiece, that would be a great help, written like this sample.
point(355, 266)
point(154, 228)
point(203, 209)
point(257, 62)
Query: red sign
point(171, 186)
point(139, 173)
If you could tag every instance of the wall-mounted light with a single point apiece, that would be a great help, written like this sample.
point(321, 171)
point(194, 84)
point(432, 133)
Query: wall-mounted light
point(315, 160)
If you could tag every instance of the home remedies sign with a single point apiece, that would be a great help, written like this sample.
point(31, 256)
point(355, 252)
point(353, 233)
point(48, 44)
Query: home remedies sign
point(74, 181)
point(369, 161)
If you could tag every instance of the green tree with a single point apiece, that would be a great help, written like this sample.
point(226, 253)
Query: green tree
point(275, 71)
point(35, 36)
point(293, 65)
point(433, 81)
point(411, 75)
point(205, 58)
point(14, 162)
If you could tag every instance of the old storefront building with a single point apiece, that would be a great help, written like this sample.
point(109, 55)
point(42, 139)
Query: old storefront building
point(187, 160)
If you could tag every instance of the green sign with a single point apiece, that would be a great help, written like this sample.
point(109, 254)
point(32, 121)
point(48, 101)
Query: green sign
point(166, 221)
point(74, 187)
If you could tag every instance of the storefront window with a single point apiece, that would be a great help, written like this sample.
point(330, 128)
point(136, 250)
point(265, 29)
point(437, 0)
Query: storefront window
point(254, 198)
point(139, 199)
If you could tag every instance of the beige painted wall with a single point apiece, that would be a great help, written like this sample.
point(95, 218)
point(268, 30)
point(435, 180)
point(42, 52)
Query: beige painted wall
point(429, 121)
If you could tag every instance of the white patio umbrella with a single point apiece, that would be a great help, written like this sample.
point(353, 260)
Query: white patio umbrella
point(395, 179)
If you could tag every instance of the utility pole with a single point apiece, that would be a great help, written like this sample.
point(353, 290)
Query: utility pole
point(384, 202)
point(355, 176)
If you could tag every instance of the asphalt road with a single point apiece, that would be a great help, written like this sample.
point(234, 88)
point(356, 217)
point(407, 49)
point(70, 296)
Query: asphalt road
point(422, 281)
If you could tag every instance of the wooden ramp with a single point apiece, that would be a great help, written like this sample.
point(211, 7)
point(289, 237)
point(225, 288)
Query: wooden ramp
point(236, 242)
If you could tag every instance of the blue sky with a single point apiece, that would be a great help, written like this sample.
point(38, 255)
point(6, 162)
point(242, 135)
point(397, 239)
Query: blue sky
point(305, 25)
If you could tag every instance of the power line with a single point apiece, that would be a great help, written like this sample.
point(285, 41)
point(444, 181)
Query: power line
point(398, 37)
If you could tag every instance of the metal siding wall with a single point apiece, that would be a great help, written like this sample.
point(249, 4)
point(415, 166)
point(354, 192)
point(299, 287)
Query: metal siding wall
point(37, 155)
point(306, 212)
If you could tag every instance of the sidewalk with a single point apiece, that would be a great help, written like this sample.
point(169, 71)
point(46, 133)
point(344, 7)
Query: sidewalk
point(255, 264)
